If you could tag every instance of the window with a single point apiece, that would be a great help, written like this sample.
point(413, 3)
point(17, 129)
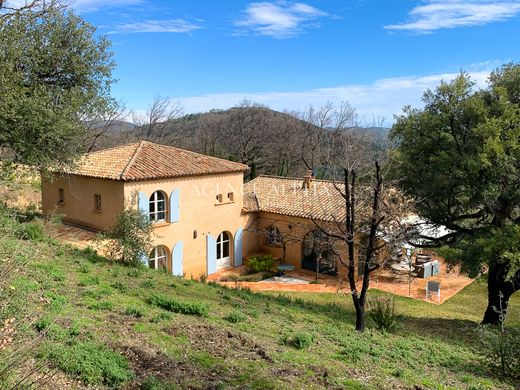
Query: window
point(97, 202)
point(273, 236)
point(219, 198)
point(158, 258)
point(223, 246)
point(61, 195)
point(230, 196)
point(157, 206)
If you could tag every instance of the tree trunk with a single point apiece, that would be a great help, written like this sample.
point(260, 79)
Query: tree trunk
point(500, 290)
point(360, 315)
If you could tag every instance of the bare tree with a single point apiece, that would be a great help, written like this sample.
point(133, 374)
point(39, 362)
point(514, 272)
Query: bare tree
point(321, 128)
point(104, 126)
point(154, 124)
point(372, 224)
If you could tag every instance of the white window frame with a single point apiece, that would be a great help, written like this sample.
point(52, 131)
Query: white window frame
point(154, 199)
point(158, 253)
point(221, 242)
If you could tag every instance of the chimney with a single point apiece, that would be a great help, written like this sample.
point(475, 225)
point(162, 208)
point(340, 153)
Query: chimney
point(307, 179)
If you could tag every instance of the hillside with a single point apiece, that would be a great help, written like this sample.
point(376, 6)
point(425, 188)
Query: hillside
point(105, 325)
point(268, 141)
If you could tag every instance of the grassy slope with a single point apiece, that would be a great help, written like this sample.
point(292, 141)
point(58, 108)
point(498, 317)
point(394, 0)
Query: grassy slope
point(89, 303)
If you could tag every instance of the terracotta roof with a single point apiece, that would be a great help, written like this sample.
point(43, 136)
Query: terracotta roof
point(146, 161)
point(286, 196)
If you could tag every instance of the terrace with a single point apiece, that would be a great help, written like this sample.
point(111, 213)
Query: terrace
point(451, 282)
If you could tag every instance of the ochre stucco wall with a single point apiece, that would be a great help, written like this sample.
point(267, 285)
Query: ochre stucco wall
point(200, 212)
point(294, 248)
point(78, 207)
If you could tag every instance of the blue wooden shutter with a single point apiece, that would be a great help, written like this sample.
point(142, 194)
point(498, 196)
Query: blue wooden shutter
point(174, 206)
point(238, 247)
point(211, 254)
point(177, 259)
point(142, 203)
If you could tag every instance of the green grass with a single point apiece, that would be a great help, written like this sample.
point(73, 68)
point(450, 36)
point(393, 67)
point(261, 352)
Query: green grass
point(109, 326)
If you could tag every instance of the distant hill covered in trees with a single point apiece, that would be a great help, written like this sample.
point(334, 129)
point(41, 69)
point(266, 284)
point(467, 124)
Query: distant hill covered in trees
point(268, 141)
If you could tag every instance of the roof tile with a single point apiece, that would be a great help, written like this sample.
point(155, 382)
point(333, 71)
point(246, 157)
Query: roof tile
point(286, 196)
point(147, 161)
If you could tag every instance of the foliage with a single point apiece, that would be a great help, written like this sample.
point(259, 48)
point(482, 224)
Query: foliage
point(31, 231)
point(500, 347)
point(382, 311)
point(236, 316)
point(186, 351)
point(130, 236)
point(500, 244)
point(93, 364)
point(256, 277)
point(56, 73)
point(134, 311)
point(261, 263)
point(153, 383)
point(472, 139)
point(173, 305)
point(299, 340)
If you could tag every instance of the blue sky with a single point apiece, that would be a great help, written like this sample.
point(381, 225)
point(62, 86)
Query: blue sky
point(377, 54)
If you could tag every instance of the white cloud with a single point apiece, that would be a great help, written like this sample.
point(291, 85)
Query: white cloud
point(278, 19)
point(158, 26)
point(382, 99)
point(441, 14)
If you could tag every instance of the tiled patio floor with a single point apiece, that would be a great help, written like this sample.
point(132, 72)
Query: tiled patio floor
point(75, 236)
point(451, 283)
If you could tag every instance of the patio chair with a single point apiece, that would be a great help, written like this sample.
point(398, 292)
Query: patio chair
point(421, 258)
point(433, 288)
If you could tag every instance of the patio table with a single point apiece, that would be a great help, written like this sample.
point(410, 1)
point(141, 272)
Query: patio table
point(285, 267)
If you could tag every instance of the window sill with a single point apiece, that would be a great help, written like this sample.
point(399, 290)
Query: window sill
point(99, 211)
point(223, 203)
point(60, 203)
point(159, 224)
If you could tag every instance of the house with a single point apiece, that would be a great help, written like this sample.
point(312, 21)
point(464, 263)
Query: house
point(204, 217)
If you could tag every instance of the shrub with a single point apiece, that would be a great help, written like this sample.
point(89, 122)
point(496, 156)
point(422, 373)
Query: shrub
point(31, 231)
point(102, 305)
point(84, 268)
point(382, 311)
point(500, 347)
point(161, 317)
point(256, 277)
point(236, 316)
point(134, 312)
point(261, 263)
point(89, 280)
point(152, 383)
point(148, 284)
point(120, 286)
point(170, 304)
point(130, 236)
point(93, 364)
point(299, 340)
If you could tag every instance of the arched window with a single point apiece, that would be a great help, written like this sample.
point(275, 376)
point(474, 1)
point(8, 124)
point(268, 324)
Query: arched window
point(157, 206)
point(158, 258)
point(223, 257)
point(273, 236)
